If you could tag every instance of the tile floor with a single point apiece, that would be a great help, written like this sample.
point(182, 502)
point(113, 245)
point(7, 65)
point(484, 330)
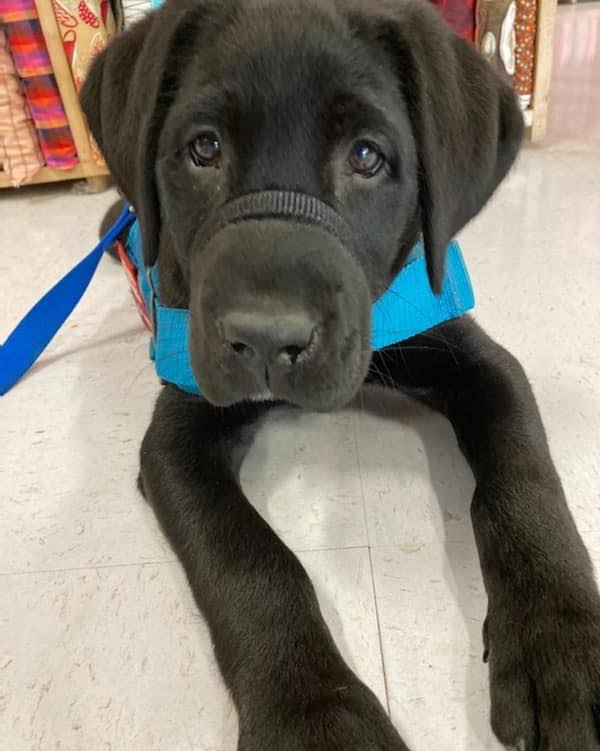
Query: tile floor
point(101, 647)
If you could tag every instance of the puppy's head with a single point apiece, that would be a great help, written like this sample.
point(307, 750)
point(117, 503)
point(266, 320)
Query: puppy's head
point(284, 158)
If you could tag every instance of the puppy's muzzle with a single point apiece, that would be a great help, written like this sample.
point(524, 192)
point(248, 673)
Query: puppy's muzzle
point(264, 342)
point(279, 303)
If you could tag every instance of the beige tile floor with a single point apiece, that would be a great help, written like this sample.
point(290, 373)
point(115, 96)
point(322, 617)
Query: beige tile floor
point(101, 647)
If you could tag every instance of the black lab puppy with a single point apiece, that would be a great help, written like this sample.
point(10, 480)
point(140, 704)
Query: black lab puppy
point(282, 158)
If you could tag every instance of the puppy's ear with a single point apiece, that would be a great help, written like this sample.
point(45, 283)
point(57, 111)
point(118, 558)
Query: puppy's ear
point(125, 98)
point(465, 120)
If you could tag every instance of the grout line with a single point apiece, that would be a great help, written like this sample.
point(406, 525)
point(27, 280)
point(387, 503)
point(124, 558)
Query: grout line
point(385, 681)
point(174, 559)
point(329, 549)
point(356, 415)
point(362, 495)
point(89, 567)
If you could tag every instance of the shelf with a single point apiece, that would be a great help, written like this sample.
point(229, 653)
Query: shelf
point(87, 169)
point(544, 49)
point(50, 175)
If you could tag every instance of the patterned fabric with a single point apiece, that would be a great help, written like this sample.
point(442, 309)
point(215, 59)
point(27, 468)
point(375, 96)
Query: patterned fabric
point(460, 15)
point(495, 34)
point(525, 30)
point(85, 27)
point(28, 48)
point(20, 155)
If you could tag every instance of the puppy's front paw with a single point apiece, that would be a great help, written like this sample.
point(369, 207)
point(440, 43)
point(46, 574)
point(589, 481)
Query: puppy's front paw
point(545, 679)
point(349, 720)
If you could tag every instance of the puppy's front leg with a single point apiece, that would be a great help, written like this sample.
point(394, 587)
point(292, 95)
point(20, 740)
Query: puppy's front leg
point(543, 627)
point(291, 687)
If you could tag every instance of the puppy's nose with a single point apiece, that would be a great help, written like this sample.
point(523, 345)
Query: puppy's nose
point(269, 340)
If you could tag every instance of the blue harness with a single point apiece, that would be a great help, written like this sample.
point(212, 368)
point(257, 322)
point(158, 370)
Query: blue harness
point(407, 308)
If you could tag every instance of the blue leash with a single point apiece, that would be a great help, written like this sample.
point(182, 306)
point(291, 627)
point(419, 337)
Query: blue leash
point(33, 334)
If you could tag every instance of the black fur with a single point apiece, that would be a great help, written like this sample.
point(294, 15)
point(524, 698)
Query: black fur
point(289, 87)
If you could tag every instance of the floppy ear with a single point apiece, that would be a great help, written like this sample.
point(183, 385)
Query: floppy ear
point(126, 96)
point(466, 122)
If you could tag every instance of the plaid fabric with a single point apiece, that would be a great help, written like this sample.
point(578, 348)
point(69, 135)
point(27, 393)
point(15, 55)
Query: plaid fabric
point(30, 55)
point(28, 47)
point(45, 104)
point(17, 10)
point(20, 155)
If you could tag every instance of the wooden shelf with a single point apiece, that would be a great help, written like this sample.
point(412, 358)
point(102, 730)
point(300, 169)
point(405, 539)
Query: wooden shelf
point(50, 175)
point(87, 169)
point(544, 50)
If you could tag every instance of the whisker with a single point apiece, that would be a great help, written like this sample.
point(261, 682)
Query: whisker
point(380, 375)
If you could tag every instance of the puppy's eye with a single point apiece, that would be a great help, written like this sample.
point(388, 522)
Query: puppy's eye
point(205, 150)
point(365, 159)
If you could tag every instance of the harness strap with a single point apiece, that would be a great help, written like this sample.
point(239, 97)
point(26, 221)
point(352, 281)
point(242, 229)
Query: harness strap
point(408, 307)
point(278, 204)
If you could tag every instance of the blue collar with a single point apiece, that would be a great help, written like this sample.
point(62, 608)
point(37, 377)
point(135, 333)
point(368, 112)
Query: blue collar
point(407, 308)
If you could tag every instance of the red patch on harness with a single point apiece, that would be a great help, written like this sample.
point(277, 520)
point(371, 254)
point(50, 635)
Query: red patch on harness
point(132, 277)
